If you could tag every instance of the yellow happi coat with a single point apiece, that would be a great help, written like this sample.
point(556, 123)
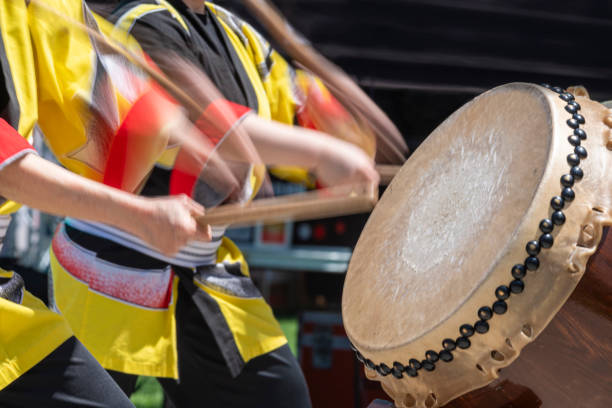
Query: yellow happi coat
point(133, 334)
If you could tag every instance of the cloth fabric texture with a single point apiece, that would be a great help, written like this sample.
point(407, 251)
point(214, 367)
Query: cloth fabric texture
point(51, 75)
point(69, 377)
point(129, 323)
point(248, 72)
point(270, 380)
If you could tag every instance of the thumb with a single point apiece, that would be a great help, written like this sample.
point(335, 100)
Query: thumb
point(203, 231)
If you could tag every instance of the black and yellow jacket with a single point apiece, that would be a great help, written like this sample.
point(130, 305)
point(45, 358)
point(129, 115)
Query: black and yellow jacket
point(130, 334)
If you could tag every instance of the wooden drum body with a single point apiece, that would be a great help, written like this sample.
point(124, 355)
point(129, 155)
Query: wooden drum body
point(477, 245)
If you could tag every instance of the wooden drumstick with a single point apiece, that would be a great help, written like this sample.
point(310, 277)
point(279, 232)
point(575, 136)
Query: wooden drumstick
point(387, 172)
point(311, 205)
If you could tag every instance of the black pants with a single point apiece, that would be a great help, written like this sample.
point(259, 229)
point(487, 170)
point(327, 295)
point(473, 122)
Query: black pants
point(272, 380)
point(69, 377)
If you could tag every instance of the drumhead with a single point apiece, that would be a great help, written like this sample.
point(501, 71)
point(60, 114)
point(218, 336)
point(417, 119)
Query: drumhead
point(447, 217)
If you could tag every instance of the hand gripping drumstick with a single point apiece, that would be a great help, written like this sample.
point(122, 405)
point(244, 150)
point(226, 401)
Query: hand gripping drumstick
point(392, 145)
point(317, 204)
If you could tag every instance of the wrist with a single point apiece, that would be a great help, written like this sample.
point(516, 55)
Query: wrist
point(129, 212)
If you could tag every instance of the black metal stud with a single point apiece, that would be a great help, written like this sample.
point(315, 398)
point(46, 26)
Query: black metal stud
point(573, 123)
point(411, 372)
point(532, 263)
point(485, 313)
point(466, 330)
point(557, 89)
point(581, 152)
point(428, 365)
point(568, 194)
point(573, 140)
point(370, 364)
point(500, 307)
point(449, 345)
point(517, 286)
point(577, 172)
point(379, 370)
point(463, 342)
point(546, 240)
point(566, 96)
point(558, 218)
point(359, 356)
point(414, 363)
point(432, 356)
point(575, 105)
point(557, 202)
point(580, 133)
point(397, 373)
point(546, 225)
point(567, 180)
point(545, 85)
point(502, 292)
point(573, 159)
point(519, 271)
point(571, 108)
point(384, 369)
point(579, 118)
point(398, 366)
point(533, 248)
point(481, 326)
point(446, 356)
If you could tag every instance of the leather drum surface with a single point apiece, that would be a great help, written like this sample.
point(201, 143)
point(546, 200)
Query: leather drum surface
point(442, 243)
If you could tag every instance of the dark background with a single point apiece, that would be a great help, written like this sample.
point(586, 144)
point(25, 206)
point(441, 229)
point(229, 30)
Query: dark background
point(422, 59)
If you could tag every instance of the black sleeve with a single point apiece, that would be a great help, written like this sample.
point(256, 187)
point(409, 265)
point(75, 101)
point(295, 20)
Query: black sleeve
point(160, 35)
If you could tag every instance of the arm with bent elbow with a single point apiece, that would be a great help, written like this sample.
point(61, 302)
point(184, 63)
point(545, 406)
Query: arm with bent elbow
point(165, 223)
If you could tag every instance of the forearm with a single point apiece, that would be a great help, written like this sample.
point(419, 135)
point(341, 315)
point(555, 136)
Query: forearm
point(279, 144)
point(38, 183)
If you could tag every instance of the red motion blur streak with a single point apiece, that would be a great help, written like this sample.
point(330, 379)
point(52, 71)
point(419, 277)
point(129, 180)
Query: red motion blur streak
point(216, 120)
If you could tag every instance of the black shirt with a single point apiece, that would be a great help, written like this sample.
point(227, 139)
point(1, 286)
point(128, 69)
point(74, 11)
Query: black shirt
point(205, 44)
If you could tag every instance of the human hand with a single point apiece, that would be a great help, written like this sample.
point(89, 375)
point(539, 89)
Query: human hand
point(168, 223)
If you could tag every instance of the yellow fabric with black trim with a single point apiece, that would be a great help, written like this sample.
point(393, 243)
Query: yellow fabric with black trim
point(78, 97)
point(28, 333)
point(20, 60)
point(65, 70)
point(273, 81)
point(148, 347)
point(251, 320)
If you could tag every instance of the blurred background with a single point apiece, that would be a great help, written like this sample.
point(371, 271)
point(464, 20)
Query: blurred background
point(419, 60)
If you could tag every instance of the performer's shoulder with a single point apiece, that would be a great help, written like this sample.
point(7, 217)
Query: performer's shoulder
point(154, 13)
point(138, 9)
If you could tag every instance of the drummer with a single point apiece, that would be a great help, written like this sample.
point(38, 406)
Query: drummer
point(42, 364)
point(219, 325)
